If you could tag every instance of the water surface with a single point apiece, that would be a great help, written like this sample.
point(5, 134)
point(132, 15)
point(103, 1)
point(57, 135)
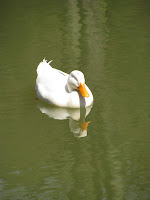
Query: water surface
point(42, 155)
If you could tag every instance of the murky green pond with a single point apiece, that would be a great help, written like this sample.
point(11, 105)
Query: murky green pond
point(44, 153)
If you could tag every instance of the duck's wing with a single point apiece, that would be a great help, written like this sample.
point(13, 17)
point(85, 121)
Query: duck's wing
point(63, 73)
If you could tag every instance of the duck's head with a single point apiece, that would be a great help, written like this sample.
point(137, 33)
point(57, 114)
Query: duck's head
point(76, 81)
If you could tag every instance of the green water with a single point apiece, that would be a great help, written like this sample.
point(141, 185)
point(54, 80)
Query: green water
point(45, 158)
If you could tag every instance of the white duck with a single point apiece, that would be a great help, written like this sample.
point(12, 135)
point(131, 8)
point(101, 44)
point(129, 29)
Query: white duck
point(61, 89)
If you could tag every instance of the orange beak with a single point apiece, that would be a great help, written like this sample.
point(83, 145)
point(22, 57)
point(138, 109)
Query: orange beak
point(84, 125)
point(83, 90)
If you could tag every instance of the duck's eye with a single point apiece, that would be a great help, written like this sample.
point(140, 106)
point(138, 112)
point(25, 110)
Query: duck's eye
point(73, 76)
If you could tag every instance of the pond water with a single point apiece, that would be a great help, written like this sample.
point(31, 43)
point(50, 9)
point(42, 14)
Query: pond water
point(44, 153)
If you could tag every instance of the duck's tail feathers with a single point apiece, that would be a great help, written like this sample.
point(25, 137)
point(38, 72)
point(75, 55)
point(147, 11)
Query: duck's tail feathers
point(44, 66)
point(44, 60)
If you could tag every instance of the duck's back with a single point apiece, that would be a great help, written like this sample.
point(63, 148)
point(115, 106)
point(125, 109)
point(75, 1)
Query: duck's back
point(50, 82)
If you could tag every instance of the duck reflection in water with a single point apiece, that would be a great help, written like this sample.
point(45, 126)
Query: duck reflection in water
point(76, 117)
